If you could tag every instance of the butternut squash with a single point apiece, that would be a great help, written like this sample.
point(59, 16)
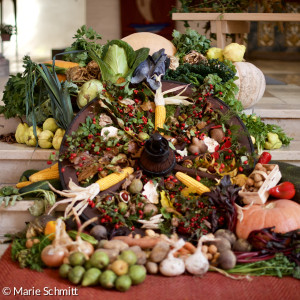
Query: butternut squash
point(62, 64)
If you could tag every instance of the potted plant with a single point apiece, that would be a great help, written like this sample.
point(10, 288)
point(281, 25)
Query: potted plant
point(6, 31)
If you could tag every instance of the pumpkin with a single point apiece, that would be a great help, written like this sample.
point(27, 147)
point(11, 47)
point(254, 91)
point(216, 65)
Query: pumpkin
point(251, 83)
point(283, 214)
point(150, 40)
point(62, 64)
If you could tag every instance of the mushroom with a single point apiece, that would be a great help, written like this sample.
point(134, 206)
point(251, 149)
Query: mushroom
point(197, 146)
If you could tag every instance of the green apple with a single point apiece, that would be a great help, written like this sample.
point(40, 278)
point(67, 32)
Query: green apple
point(20, 133)
point(50, 124)
point(29, 137)
point(45, 139)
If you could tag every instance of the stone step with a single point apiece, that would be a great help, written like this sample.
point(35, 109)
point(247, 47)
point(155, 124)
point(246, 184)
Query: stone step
point(280, 105)
point(289, 154)
point(8, 125)
point(13, 219)
point(16, 158)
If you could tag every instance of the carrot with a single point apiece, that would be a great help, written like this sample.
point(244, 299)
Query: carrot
point(189, 246)
point(182, 252)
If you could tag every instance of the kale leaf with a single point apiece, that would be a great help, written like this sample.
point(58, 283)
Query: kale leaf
point(195, 74)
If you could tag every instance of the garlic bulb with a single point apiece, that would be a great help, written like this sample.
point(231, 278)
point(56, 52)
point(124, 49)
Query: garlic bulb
point(172, 266)
point(197, 263)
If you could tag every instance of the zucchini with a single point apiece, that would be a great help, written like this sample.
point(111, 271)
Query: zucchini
point(41, 185)
point(26, 174)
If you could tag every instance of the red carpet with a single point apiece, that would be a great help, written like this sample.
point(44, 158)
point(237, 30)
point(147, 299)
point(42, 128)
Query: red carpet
point(211, 286)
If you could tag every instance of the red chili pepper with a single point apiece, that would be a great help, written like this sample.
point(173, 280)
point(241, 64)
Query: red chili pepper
point(265, 157)
point(285, 190)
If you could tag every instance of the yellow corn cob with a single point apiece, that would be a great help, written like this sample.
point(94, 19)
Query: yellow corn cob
point(111, 179)
point(48, 173)
point(160, 116)
point(22, 184)
point(193, 183)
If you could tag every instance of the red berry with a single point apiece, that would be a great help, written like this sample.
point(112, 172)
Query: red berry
point(132, 228)
point(126, 128)
point(245, 162)
point(198, 178)
point(63, 170)
point(241, 169)
point(49, 162)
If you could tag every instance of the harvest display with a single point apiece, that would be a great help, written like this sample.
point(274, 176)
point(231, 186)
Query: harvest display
point(157, 157)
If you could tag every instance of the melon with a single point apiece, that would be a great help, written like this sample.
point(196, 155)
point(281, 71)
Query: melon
point(251, 83)
point(150, 40)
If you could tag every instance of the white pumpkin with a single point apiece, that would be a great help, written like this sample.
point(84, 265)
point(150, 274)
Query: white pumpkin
point(150, 40)
point(251, 83)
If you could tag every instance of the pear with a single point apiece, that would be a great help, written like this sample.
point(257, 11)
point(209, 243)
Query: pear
point(30, 139)
point(215, 53)
point(273, 141)
point(234, 52)
point(50, 124)
point(20, 133)
point(45, 139)
point(59, 134)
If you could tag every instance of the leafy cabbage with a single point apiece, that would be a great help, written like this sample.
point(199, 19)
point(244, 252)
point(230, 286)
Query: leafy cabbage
point(118, 61)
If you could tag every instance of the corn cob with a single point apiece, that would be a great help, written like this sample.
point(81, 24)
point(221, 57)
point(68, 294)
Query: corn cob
point(160, 116)
point(49, 173)
point(191, 182)
point(22, 184)
point(111, 179)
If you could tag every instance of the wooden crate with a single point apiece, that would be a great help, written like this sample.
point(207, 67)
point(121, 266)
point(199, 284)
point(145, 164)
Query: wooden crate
point(261, 196)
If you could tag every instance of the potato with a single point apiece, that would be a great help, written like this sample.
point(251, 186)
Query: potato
point(159, 252)
point(151, 267)
point(115, 244)
point(250, 182)
point(257, 177)
point(258, 184)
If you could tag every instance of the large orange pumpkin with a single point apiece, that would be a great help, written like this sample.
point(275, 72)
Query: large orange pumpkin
point(283, 214)
point(62, 64)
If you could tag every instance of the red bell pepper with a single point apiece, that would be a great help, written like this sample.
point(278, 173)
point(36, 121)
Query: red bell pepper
point(285, 190)
point(265, 157)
